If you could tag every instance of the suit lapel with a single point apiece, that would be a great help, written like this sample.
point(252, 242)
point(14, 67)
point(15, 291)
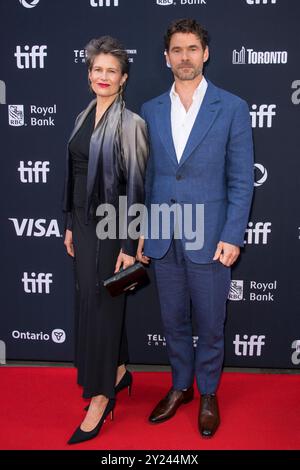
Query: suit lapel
point(164, 128)
point(206, 116)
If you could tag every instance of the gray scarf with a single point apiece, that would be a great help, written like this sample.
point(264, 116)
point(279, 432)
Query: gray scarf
point(105, 148)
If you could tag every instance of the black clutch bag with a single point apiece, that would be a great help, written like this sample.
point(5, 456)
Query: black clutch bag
point(127, 279)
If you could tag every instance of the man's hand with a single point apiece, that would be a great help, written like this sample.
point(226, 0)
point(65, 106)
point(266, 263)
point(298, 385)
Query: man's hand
point(69, 243)
point(226, 253)
point(140, 254)
point(124, 261)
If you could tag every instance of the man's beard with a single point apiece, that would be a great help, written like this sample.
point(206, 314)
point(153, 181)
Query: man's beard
point(186, 72)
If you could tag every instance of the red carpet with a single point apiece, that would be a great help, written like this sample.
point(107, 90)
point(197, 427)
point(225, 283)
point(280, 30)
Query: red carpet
point(41, 407)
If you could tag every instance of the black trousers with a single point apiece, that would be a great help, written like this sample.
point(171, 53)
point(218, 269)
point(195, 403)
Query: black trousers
point(100, 334)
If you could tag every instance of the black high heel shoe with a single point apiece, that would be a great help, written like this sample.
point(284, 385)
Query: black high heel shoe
point(126, 381)
point(81, 436)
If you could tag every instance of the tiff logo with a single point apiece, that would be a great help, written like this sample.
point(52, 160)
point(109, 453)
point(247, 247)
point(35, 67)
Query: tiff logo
point(2, 92)
point(258, 233)
point(248, 346)
point(104, 3)
point(37, 285)
point(263, 116)
point(34, 174)
point(260, 2)
point(29, 60)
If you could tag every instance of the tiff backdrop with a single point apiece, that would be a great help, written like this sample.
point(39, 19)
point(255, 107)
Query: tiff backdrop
point(43, 86)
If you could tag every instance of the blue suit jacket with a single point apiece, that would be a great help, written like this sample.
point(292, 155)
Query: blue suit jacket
point(216, 170)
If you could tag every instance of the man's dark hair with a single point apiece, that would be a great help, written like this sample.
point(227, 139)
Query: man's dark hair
point(106, 45)
point(186, 25)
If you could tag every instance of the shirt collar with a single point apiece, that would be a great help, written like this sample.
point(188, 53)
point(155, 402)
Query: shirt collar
point(197, 93)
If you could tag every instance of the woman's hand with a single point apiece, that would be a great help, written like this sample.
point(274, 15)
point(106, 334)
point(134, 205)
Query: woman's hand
point(124, 261)
point(69, 243)
point(140, 253)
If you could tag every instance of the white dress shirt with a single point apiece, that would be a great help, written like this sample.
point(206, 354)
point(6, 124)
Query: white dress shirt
point(182, 121)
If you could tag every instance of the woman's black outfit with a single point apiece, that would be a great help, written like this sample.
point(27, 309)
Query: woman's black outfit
point(102, 164)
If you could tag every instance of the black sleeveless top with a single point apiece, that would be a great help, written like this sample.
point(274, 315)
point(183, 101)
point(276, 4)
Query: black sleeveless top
point(79, 150)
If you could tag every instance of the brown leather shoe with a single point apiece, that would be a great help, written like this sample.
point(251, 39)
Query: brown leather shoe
point(168, 406)
point(209, 418)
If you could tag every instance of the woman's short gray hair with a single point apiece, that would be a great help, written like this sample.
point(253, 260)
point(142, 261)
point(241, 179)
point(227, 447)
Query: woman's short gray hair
point(107, 45)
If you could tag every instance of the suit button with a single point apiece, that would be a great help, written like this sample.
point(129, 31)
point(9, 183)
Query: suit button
point(173, 201)
point(178, 177)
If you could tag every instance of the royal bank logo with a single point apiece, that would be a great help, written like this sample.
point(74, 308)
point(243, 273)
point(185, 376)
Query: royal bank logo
point(2, 92)
point(40, 116)
point(296, 94)
point(296, 353)
point(249, 56)
point(261, 2)
point(236, 291)
point(193, 2)
point(29, 3)
point(253, 291)
point(104, 3)
point(261, 174)
point(182, 2)
point(57, 336)
point(164, 2)
point(16, 115)
point(260, 291)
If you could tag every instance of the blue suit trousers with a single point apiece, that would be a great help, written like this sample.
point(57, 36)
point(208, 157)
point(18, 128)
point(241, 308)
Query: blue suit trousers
point(181, 284)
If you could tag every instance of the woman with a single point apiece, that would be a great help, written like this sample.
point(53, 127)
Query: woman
point(106, 158)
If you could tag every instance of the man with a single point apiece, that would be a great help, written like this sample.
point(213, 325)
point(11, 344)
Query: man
point(201, 153)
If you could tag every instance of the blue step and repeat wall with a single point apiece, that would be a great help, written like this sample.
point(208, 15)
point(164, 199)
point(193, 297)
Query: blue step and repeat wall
point(43, 86)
